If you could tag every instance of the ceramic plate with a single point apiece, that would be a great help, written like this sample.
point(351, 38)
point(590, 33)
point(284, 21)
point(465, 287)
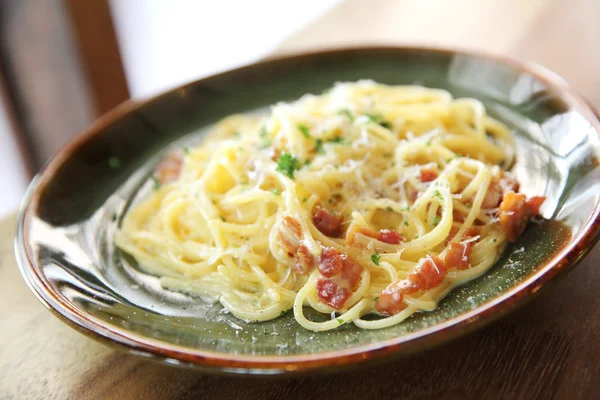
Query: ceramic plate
point(65, 243)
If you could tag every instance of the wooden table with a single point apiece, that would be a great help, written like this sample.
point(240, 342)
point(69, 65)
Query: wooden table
point(548, 349)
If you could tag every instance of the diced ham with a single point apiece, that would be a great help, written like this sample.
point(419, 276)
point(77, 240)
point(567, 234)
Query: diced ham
point(351, 270)
point(515, 211)
point(330, 262)
point(332, 294)
point(457, 255)
point(326, 223)
point(389, 236)
point(390, 301)
point(340, 274)
point(290, 235)
point(497, 190)
point(428, 174)
point(429, 273)
point(384, 235)
point(168, 169)
point(305, 261)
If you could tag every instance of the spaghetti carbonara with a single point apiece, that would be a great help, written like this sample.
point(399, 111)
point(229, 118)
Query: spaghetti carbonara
point(367, 199)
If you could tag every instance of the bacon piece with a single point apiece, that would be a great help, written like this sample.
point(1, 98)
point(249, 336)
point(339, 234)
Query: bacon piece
point(326, 223)
point(342, 273)
point(353, 230)
point(497, 189)
point(351, 270)
point(457, 255)
point(429, 273)
point(384, 235)
point(515, 211)
point(389, 236)
point(330, 262)
point(390, 301)
point(169, 168)
point(332, 294)
point(305, 261)
point(428, 174)
point(290, 234)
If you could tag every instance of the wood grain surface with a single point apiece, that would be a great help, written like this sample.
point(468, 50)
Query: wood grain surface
point(549, 349)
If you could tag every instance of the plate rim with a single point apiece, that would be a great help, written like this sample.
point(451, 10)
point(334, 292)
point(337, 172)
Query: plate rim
point(559, 263)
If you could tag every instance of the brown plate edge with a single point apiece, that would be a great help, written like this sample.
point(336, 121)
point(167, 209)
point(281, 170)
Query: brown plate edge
point(560, 263)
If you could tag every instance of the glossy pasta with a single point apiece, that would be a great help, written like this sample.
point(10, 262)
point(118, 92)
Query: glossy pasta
point(367, 199)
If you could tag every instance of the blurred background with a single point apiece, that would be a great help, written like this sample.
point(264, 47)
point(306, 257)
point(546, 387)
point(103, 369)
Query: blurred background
point(63, 63)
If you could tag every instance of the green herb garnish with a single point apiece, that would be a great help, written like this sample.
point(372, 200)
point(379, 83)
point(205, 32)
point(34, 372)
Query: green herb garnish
point(186, 150)
point(468, 205)
point(276, 192)
point(405, 223)
point(319, 146)
point(287, 164)
point(305, 131)
point(438, 195)
point(156, 182)
point(375, 298)
point(375, 258)
point(339, 320)
point(387, 155)
point(281, 314)
point(347, 113)
point(379, 119)
point(436, 220)
point(389, 208)
point(304, 199)
point(264, 136)
point(337, 139)
point(114, 162)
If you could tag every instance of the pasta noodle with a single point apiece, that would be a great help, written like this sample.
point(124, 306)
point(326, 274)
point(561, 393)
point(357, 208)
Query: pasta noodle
point(367, 199)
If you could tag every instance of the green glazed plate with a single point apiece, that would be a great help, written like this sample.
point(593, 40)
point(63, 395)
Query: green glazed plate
point(65, 246)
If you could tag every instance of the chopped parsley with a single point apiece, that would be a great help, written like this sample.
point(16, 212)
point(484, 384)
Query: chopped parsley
point(265, 139)
point(114, 217)
point(304, 199)
point(339, 320)
point(337, 139)
point(307, 162)
point(347, 113)
point(186, 150)
point(468, 205)
point(379, 119)
point(438, 195)
point(375, 298)
point(287, 164)
point(405, 223)
point(156, 182)
point(304, 129)
point(494, 240)
point(319, 146)
point(114, 162)
point(375, 258)
point(276, 192)
point(387, 155)
point(389, 208)
point(281, 314)
point(436, 220)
